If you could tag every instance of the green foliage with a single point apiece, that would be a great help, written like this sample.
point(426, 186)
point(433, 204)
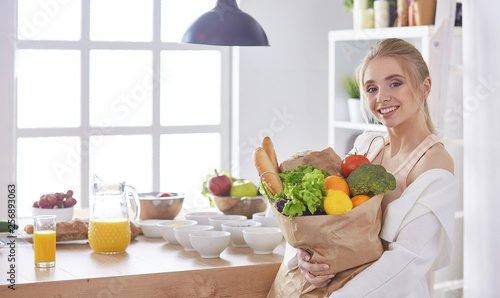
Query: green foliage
point(370, 180)
point(351, 86)
point(348, 4)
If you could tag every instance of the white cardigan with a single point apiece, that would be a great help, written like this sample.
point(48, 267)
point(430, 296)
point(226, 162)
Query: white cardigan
point(418, 227)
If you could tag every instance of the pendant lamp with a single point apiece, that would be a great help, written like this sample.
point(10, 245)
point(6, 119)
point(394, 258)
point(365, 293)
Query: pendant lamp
point(226, 25)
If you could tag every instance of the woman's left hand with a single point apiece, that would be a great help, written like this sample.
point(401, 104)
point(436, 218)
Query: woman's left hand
point(306, 268)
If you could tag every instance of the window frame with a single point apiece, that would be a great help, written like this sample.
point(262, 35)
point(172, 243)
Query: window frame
point(8, 103)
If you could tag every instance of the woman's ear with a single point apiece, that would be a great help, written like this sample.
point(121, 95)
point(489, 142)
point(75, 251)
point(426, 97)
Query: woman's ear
point(427, 84)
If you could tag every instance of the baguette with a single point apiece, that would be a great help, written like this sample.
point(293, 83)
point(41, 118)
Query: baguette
point(268, 146)
point(263, 164)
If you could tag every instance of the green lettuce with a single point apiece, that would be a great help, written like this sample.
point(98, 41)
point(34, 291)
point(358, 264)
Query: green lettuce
point(303, 188)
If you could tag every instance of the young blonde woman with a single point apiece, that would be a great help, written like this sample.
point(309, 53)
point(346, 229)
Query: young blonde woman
point(418, 215)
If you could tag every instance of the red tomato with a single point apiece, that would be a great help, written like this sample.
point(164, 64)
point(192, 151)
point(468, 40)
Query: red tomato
point(351, 163)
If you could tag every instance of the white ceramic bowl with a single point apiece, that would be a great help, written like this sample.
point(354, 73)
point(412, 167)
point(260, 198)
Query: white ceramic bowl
point(62, 214)
point(266, 221)
point(202, 217)
point(182, 234)
point(150, 229)
point(209, 244)
point(263, 240)
point(216, 221)
point(236, 228)
point(166, 228)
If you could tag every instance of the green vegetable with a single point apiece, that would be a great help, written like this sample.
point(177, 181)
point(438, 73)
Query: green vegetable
point(370, 180)
point(7, 227)
point(303, 188)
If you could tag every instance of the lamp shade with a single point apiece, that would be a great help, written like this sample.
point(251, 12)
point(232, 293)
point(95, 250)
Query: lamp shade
point(226, 25)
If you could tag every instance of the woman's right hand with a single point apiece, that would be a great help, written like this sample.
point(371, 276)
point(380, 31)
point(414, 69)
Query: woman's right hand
point(307, 269)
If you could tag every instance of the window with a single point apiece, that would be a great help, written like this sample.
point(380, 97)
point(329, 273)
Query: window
point(104, 86)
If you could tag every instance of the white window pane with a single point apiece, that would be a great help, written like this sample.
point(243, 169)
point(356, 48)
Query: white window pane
point(121, 84)
point(178, 15)
point(123, 158)
point(48, 88)
point(49, 20)
point(190, 87)
point(185, 161)
point(47, 165)
point(121, 20)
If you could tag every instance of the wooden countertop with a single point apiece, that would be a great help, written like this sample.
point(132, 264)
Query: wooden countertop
point(150, 267)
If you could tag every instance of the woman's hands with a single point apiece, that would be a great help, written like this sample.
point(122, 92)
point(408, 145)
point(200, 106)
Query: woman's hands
point(307, 269)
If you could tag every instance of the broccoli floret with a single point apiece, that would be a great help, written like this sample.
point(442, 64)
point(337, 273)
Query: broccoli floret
point(370, 180)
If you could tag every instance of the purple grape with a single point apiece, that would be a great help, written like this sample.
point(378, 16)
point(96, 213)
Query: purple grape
point(52, 199)
point(59, 196)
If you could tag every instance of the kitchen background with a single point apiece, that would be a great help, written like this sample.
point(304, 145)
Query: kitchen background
point(280, 91)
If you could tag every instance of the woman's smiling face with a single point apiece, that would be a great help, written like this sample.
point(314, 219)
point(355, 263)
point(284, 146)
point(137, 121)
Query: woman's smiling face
point(389, 92)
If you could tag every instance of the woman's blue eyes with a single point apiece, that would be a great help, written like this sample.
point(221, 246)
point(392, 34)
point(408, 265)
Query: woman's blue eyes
point(373, 89)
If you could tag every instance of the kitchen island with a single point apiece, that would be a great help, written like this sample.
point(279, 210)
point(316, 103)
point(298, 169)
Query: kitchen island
point(150, 267)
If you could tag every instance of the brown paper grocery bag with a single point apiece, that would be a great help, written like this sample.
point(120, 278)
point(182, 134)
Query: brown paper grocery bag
point(348, 243)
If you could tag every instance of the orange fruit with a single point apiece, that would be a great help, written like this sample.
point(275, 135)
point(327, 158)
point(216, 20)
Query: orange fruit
point(359, 199)
point(337, 202)
point(337, 183)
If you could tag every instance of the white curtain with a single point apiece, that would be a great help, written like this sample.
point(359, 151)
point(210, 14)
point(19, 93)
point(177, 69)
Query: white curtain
point(481, 53)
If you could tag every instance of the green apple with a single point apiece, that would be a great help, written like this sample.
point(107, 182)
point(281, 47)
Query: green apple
point(243, 188)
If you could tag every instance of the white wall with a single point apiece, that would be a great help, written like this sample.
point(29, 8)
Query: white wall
point(283, 88)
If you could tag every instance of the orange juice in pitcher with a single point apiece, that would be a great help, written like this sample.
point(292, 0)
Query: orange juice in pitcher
point(109, 226)
point(109, 236)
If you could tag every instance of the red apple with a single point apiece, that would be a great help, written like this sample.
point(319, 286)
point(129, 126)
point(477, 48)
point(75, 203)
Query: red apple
point(219, 185)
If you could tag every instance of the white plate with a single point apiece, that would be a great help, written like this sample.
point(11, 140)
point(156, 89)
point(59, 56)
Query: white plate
point(2, 244)
point(19, 234)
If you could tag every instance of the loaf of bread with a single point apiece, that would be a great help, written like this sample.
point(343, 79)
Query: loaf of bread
point(266, 163)
point(77, 229)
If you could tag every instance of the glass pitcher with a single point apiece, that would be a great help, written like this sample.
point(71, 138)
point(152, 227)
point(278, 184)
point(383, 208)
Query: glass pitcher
point(109, 225)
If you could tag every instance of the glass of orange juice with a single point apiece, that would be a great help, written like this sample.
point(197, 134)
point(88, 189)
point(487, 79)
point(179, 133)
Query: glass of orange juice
point(44, 240)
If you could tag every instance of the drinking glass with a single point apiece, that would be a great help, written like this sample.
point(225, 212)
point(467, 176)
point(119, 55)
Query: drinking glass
point(44, 240)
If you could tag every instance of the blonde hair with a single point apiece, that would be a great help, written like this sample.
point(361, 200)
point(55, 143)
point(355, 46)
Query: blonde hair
point(411, 61)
